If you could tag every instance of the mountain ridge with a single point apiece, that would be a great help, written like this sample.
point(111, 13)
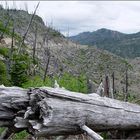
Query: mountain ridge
point(122, 44)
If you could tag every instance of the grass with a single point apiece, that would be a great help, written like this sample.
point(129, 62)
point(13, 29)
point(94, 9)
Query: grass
point(1, 130)
point(20, 136)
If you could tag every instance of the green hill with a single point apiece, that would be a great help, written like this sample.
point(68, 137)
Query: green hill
point(124, 45)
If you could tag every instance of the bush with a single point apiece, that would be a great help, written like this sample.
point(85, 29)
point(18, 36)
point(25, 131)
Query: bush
point(4, 51)
point(73, 83)
point(38, 82)
point(20, 136)
point(68, 81)
point(3, 75)
point(19, 70)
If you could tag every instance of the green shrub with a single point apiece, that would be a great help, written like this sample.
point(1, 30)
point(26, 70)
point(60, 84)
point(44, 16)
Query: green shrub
point(20, 136)
point(1, 130)
point(19, 70)
point(8, 30)
point(3, 75)
point(36, 81)
point(68, 81)
point(73, 83)
point(4, 51)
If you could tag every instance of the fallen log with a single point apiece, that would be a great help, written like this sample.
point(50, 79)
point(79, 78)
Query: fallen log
point(53, 111)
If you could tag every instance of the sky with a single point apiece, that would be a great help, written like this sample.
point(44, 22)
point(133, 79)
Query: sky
point(73, 17)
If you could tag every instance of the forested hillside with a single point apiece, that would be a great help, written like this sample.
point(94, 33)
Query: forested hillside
point(124, 45)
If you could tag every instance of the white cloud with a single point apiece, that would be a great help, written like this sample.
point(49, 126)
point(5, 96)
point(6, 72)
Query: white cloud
point(80, 16)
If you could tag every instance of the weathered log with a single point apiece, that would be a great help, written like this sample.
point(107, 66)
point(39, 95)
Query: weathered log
point(13, 101)
point(50, 112)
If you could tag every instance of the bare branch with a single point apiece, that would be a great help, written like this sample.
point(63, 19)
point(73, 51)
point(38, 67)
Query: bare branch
point(34, 45)
point(91, 133)
point(24, 36)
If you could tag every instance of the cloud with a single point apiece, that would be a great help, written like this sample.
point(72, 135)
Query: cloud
point(80, 16)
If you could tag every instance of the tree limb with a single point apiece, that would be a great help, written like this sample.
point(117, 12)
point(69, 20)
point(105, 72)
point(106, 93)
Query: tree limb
point(91, 133)
point(24, 36)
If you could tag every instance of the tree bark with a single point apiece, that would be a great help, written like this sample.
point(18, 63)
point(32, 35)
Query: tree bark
point(53, 111)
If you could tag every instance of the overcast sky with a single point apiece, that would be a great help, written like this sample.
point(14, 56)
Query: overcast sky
point(79, 16)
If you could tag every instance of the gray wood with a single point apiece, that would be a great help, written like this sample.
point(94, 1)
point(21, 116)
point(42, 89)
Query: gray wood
point(91, 133)
point(12, 101)
point(53, 111)
point(28, 27)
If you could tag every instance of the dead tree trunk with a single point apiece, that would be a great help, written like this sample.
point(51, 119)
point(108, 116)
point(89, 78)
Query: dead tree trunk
point(34, 48)
point(34, 44)
point(106, 86)
point(126, 85)
point(47, 65)
point(13, 33)
point(26, 32)
point(113, 83)
point(50, 112)
point(12, 45)
point(47, 53)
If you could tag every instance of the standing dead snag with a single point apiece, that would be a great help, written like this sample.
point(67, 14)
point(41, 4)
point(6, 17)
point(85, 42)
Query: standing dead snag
point(48, 111)
point(113, 83)
point(35, 43)
point(12, 45)
point(47, 64)
point(47, 52)
point(34, 49)
point(26, 32)
point(106, 86)
point(126, 84)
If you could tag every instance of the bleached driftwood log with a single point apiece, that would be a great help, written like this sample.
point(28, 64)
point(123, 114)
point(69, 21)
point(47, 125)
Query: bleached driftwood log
point(50, 112)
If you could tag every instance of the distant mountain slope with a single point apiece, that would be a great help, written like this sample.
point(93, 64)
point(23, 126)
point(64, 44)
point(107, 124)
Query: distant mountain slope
point(124, 45)
point(70, 57)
